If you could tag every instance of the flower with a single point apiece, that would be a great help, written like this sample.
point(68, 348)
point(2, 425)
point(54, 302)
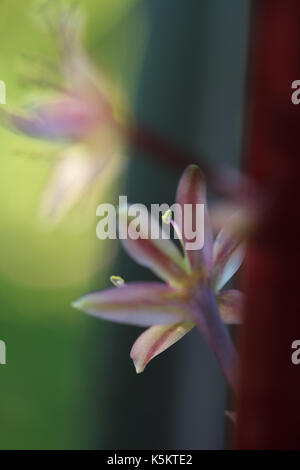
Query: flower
point(84, 116)
point(191, 293)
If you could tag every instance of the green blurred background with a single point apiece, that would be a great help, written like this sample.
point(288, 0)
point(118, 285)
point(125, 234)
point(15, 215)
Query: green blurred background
point(45, 382)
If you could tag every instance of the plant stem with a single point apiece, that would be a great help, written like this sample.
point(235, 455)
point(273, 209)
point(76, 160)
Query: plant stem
point(206, 314)
point(228, 181)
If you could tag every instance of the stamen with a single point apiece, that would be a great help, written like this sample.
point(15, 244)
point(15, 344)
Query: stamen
point(167, 219)
point(117, 281)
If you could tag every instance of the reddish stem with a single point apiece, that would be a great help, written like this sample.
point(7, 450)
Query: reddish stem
point(268, 404)
point(224, 179)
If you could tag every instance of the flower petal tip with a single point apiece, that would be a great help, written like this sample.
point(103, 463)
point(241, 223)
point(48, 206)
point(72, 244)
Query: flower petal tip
point(138, 367)
point(139, 370)
point(194, 169)
point(78, 304)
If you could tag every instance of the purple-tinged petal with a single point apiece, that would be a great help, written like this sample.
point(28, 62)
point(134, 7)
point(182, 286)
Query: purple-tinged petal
point(231, 306)
point(192, 190)
point(160, 255)
point(92, 85)
point(228, 253)
point(141, 304)
point(155, 340)
point(84, 79)
point(67, 118)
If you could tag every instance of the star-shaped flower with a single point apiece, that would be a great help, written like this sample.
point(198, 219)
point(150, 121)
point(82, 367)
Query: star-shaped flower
point(84, 116)
point(191, 293)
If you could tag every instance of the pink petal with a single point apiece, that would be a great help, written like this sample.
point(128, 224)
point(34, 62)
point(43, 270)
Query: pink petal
point(87, 82)
point(73, 174)
point(231, 304)
point(192, 190)
point(141, 303)
point(65, 118)
point(160, 255)
point(228, 253)
point(154, 341)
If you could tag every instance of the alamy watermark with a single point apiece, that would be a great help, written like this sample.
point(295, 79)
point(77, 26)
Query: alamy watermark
point(2, 343)
point(296, 354)
point(2, 352)
point(2, 92)
point(135, 222)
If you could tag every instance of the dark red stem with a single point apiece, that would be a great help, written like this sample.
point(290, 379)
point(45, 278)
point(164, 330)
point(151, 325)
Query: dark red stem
point(268, 404)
